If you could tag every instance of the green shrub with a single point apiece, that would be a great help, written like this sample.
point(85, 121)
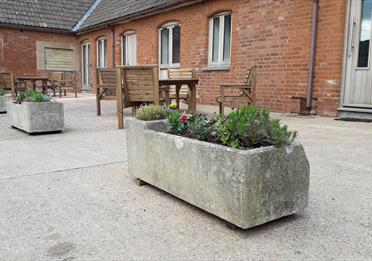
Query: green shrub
point(32, 96)
point(2, 92)
point(249, 127)
point(175, 124)
point(151, 113)
point(244, 128)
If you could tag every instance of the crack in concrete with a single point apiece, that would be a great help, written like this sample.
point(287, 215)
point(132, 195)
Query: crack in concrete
point(62, 170)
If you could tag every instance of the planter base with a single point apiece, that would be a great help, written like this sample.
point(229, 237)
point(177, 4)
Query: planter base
point(36, 118)
point(244, 187)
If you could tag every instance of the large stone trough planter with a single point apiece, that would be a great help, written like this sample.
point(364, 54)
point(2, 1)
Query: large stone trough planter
point(36, 117)
point(3, 102)
point(245, 188)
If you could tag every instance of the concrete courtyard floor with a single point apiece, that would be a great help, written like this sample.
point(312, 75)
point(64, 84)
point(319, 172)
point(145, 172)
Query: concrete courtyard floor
point(69, 196)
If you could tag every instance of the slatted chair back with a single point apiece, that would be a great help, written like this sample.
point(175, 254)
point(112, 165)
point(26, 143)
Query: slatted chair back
point(56, 76)
point(7, 82)
point(141, 84)
point(106, 81)
point(250, 78)
point(181, 74)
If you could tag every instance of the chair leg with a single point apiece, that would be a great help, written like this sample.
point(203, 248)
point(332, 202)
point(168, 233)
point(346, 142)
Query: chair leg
point(98, 103)
point(65, 92)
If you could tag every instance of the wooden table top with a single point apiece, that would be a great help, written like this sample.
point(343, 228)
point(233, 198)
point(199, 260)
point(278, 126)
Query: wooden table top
point(179, 81)
point(32, 78)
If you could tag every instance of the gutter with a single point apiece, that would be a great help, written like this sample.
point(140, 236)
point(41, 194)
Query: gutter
point(35, 28)
point(139, 15)
point(314, 32)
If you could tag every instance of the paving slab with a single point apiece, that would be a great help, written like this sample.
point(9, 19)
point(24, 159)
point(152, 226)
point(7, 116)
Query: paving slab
point(62, 198)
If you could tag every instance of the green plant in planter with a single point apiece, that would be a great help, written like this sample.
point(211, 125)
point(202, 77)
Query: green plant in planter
point(32, 96)
point(2, 92)
point(249, 127)
point(151, 113)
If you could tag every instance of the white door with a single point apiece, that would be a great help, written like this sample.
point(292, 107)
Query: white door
point(85, 50)
point(358, 78)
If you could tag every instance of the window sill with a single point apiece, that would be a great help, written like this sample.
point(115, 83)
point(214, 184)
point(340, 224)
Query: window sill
point(216, 68)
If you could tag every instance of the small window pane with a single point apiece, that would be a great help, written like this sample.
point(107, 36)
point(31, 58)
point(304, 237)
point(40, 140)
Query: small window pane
point(99, 54)
point(216, 37)
point(104, 53)
point(131, 49)
point(176, 44)
point(123, 50)
point(164, 46)
point(365, 34)
point(226, 38)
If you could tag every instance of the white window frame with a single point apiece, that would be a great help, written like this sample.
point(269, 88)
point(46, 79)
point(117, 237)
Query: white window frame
point(169, 26)
point(220, 61)
point(124, 53)
point(101, 54)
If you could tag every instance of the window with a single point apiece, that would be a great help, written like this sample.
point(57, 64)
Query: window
point(101, 53)
point(220, 39)
point(170, 36)
point(129, 48)
point(365, 34)
point(59, 59)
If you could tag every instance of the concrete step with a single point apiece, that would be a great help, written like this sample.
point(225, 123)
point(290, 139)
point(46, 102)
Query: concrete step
point(355, 114)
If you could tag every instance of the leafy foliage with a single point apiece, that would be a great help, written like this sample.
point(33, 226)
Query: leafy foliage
point(176, 126)
point(244, 128)
point(249, 127)
point(32, 96)
point(151, 113)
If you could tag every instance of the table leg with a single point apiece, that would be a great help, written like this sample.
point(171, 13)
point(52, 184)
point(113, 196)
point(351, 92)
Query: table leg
point(192, 103)
point(34, 85)
point(178, 88)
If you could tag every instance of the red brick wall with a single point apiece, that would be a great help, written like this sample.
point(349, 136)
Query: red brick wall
point(273, 34)
point(18, 50)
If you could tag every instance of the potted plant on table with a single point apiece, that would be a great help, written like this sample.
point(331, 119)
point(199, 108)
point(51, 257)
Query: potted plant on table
point(245, 168)
point(34, 112)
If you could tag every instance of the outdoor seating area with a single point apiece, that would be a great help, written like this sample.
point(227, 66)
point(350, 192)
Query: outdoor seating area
point(185, 130)
point(59, 82)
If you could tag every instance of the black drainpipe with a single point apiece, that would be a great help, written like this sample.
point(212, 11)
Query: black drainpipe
point(113, 46)
point(314, 28)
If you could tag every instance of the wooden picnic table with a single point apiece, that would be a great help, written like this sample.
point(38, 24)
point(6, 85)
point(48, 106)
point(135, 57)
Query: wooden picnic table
point(191, 83)
point(33, 80)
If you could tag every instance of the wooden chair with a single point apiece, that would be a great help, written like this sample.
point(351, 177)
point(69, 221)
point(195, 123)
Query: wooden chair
point(138, 85)
point(106, 86)
point(55, 82)
point(68, 83)
point(9, 83)
point(239, 94)
point(180, 74)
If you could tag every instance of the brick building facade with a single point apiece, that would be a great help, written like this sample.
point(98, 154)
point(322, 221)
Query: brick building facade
point(274, 35)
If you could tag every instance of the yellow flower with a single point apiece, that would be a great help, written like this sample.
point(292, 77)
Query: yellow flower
point(173, 105)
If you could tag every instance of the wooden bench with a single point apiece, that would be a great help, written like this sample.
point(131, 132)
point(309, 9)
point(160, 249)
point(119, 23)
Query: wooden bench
point(238, 94)
point(136, 85)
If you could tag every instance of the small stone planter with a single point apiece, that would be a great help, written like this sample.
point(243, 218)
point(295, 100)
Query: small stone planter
point(3, 102)
point(36, 117)
point(244, 187)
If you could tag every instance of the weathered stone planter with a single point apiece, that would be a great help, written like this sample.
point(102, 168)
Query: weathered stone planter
point(3, 102)
point(246, 188)
point(36, 117)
